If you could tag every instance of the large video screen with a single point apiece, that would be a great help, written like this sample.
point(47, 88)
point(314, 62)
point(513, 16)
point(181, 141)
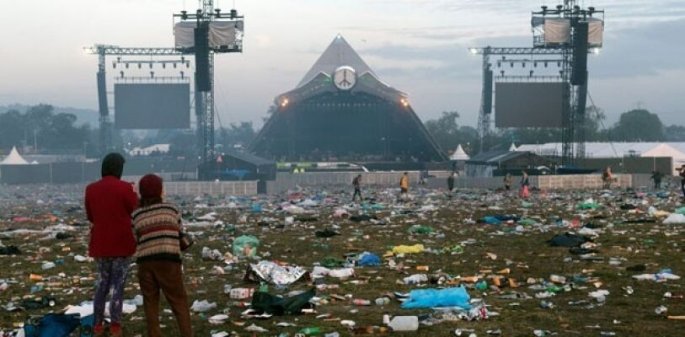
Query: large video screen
point(521, 105)
point(152, 105)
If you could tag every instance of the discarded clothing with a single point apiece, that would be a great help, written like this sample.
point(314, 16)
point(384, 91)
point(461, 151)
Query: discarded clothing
point(9, 250)
point(263, 302)
point(52, 325)
point(568, 240)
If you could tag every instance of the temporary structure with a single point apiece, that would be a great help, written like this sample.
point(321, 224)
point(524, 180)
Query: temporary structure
point(674, 150)
point(14, 158)
point(459, 154)
point(342, 111)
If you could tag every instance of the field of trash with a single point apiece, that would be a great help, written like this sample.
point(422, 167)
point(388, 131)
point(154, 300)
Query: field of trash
point(470, 263)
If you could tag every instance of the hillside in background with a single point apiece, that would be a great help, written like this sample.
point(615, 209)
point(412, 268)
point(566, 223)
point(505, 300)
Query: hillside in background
point(83, 116)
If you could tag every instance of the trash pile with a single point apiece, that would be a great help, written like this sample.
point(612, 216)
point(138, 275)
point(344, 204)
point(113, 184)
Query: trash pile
point(312, 263)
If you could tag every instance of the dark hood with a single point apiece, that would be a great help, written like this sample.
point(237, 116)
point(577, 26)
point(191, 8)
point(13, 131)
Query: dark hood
point(113, 165)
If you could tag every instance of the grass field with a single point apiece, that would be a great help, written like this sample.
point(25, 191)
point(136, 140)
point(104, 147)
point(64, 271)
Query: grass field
point(626, 238)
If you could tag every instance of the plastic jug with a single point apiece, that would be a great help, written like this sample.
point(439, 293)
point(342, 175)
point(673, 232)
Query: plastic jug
point(404, 323)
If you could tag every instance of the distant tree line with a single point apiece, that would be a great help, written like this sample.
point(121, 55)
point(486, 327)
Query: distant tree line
point(185, 142)
point(638, 125)
point(40, 129)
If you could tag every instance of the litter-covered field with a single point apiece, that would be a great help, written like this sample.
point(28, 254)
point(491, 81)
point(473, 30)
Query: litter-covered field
point(483, 263)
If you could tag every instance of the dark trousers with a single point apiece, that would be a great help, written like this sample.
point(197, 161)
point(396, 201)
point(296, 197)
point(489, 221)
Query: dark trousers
point(166, 276)
point(357, 192)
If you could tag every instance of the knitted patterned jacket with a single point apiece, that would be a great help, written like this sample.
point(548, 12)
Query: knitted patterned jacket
point(157, 230)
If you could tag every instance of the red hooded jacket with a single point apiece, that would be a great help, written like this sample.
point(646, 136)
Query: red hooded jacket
point(109, 203)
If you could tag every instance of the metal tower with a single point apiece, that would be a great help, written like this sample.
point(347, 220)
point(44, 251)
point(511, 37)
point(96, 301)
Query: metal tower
point(570, 58)
point(201, 22)
point(204, 72)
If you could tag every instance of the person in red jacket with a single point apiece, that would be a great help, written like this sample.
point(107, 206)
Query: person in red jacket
point(109, 203)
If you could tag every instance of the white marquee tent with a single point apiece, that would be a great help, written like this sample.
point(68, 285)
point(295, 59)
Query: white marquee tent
point(675, 150)
point(459, 154)
point(14, 158)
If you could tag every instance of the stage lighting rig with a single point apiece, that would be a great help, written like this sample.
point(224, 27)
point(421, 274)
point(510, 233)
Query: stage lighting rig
point(102, 50)
point(563, 35)
point(216, 31)
point(207, 32)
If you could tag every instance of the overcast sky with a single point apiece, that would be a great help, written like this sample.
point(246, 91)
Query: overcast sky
point(417, 46)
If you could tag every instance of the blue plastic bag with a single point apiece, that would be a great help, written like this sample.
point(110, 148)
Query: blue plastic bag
point(432, 298)
point(491, 220)
point(52, 325)
point(87, 324)
point(368, 259)
point(256, 208)
point(245, 245)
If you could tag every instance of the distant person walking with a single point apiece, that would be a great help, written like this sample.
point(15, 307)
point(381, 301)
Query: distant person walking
point(109, 203)
point(356, 182)
point(450, 181)
point(524, 192)
point(404, 185)
point(657, 176)
point(157, 227)
point(681, 171)
point(507, 181)
point(607, 177)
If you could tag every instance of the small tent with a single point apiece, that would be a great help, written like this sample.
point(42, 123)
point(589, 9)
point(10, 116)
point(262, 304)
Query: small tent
point(459, 154)
point(14, 158)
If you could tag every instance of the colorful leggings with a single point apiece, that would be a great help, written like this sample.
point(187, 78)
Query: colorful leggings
point(112, 272)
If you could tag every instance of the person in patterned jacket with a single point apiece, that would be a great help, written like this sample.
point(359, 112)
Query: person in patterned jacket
point(157, 227)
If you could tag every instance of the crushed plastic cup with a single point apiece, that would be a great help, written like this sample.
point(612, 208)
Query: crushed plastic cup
point(241, 293)
point(48, 265)
point(415, 279)
point(382, 301)
point(341, 273)
point(361, 302)
point(557, 279)
point(202, 306)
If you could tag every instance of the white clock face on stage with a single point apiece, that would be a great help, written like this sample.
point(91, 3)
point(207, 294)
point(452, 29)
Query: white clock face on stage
point(344, 78)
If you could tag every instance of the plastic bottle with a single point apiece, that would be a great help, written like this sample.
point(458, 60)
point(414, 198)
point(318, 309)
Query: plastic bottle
point(554, 289)
point(341, 273)
point(311, 331)
point(404, 323)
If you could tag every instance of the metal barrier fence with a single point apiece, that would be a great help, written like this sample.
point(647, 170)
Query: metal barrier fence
point(286, 181)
